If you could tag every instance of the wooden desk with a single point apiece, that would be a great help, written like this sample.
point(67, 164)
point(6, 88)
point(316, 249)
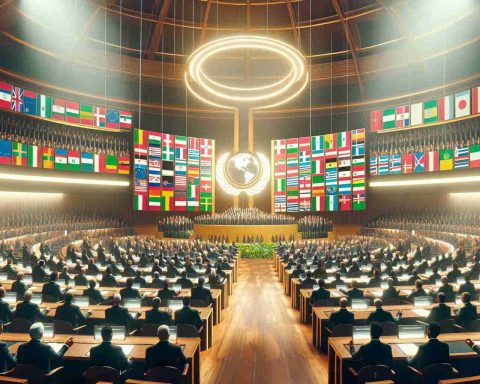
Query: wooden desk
point(83, 344)
point(305, 309)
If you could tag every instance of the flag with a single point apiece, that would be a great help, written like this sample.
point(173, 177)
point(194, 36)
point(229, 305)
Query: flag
point(58, 109)
point(332, 203)
point(99, 163)
point(359, 202)
point(48, 158)
point(475, 156)
point(431, 161)
point(5, 152)
point(382, 165)
point(292, 175)
point(29, 102)
point(318, 155)
point(402, 116)
point(376, 120)
point(139, 202)
point(373, 166)
point(395, 164)
point(416, 114)
point(181, 152)
point(113, 118)
point(206, 203)
point(87, 162)
point(388, 118)
point(318, 203)
point(99, 117)
point(140, 143)
point(73, 112)
point(475, 101)
point(34, 156)
point(407, 163)
point(446, 159)
point(462, 103)
point(123, 165)
point(19, 154)
point(168, 152)
point(280, 181)
point(125, 119)
point(86, 114)
point(430, 111)
point(345, 202)
point(5, 96)
point(344, 144)
point(61, 159)
point(358, 142)
point(44, 106)
point(167, 199)
point(17, 99)
point(206, 171)
point(74, 161)
point(461, 159)
point(446, 108)
point(419, 165)
point(111, 164)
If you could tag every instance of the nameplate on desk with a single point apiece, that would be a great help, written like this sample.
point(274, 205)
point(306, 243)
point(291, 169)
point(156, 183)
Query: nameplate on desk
point(406, 291)
point(421, 312)
point(408, 349)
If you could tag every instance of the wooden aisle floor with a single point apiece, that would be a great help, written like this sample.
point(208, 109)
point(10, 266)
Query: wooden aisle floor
point(260, 339)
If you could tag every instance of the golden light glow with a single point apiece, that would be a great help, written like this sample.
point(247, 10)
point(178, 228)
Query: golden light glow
point(63, 180)
point(433, 181)
point(257, 97)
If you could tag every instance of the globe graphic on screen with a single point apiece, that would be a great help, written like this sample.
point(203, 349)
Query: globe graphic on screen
point(243, 168)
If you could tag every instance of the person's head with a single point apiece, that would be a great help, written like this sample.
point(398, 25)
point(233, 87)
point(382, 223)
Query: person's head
point(156, 302)
point(338, 276)
point(165, 284)
point(467, 278)
point(138, 273)
point(378, 303)
point(91, 261)
point(156, 275)
point(441, 298)
point(466, 297)
point(130, 282)
point(53, 276)
point(321, 283)
point(186, 301)
point(308, 274)
point(455, 266)
point(163, 333)
point(2, 292)
point(433, 330)
point(108, 271)
point(83, 271)
point(444, 280)
point(92, 283)
point(435, 269)
point(418, 284)
point(41, 263)
point(172, 263)
point(375, 331)
point(390, 282)
point(117, 299)
point(201, 281)
point(36, 331)
point(343, 303)
point(376, 273)
point(20, 276)
point(27, 296)
point(414, 273)
point(68, 297)
point(353, 284)
point(107, 333)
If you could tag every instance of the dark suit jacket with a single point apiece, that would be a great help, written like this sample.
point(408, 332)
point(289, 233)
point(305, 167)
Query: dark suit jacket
point(118, 315)
point(447, 290)
point(40, 354)
point(380, 316)
point(187, 315)
point(53, 289)
point(109, 281)
point(390, 293)
point(468, 287)
point(81, 280)
point(467, 314)
point(38, 274)
point(70, 313)
point(7, 361)
point(439, 313)
point(201, 293)
point(432, 352)
point(164, 354)
point(130, 293)
point(6, 313)
point(319, 294)
point(11, 273)
point(166, 294)
point(28, 311)
point(109, 355)
point(373, 353)
point(185, 282)
point(354, 293)
point(156, 316)
point(342, 316)
point(19, 287)
point(94, 295)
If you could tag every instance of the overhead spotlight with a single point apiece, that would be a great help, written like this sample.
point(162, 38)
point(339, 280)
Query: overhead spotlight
point(63, 180)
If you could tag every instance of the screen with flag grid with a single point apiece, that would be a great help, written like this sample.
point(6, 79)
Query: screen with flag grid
point(172, 172)
point(319, 173)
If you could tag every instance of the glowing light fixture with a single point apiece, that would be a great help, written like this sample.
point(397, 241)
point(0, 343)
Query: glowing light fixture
point(433, 181)
point(225, 96)
point(64, 180)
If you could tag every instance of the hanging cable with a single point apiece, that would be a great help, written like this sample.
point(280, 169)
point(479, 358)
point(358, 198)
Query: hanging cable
point(310, 50)
point(140, 68)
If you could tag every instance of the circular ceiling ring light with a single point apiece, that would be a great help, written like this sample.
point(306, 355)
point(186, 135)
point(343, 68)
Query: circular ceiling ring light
point(257, 97)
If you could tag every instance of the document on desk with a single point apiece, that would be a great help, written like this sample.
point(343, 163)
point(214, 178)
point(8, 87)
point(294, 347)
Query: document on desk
point(406, 291)
point(56, 346)
point(409, 349)
point(421, 312)
point(127, 348)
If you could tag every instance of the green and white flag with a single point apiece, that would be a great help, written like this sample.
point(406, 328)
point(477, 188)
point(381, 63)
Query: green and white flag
point(44, 106)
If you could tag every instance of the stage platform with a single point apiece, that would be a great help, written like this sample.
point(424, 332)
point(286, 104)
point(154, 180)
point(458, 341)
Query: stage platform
point(238, 232)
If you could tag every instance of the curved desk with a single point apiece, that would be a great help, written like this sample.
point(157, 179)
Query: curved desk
point(237, 232)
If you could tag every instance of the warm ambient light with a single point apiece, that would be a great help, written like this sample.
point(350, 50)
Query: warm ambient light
point(436, 181)
point(64, 180)
point(221, 95)
point(464, 195)
point(29, 195)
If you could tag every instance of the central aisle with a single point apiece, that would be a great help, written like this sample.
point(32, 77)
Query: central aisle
point(260, 339)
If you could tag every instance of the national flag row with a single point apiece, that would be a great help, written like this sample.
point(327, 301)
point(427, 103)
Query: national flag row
point(319, 173)
point(33, 156)
point(460, 104)
point(173, 172)
point(36, 104)
point(430, 161)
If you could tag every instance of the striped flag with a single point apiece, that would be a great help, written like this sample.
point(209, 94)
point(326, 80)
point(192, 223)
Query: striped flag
point(402, 116)
point(416, 114)
point(388, 118)
point(461, 159)
point(58, 109)
point(475, 156)
point(373, 166)
point(123, 165)
point(5, 152)
point(61, 159)
point(395, 164)
point(432, 161)
point(86, 114)
point(74, 161)
point(125, 119)
point(111, 164)
point(446, 108)
point(376, 120)
point(87, 162)
point(44, 106)
point(99, 163)
point(34, 156)
point(5, 95)
point(73, 112)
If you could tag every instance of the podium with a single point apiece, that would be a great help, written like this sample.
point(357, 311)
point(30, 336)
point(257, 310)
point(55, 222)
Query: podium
point(206, 231)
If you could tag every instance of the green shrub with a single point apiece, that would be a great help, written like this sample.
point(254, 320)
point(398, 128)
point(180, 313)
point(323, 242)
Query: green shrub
point(257, 250)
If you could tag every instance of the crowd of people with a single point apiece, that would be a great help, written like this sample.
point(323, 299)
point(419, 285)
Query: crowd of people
point(176, 227)
point(244, 216)
point(45, 134)
point(314, 227)
point(463, 133)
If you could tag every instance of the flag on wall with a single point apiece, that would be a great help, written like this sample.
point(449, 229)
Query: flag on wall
point(475, 101)
point(416, 114)
point(193, 174)
point(125, 119)
point(407, 163)
point(99, 117)
point(113, 118)
point(419, 165)
point(305, 170)
point(17, 99)
point(111, 164)
point(154, 170)
point(432, 161)
point(430, 111)
point(73, 112)
point(280, 173)
point(87, 162)
point(206, 172)
point(44, 106)
point(402, 116)
point(5, 95)
point(358, 142)
point(181, 151)
point(383, 165)
point(462, 103)
point(29, 106)
point(332, 202)
point(461, 157)
point(292, 175)
point(359, 202)
point(34, 156)
point(61, 159)
point(5, 152)
point(99, 163)
point(376, 120)
point(58, 109)
point(123, 165)
point(344, 144)
point(19, 154)
point(388, 118)
point(395, 163)
point(446, 108)
point(475, 156)
point(345, 202)
point(74, 161)
point(48, 158)
point(86, 114)
point(373, 166)
point(446, 159)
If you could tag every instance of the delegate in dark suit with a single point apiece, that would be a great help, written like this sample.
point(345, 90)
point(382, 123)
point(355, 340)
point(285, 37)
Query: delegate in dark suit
point(433, 351)
point(6, 314)
point(52, 289)
point(7, 361)
point(71, 313)
point(110, 355)
point(29, 311)
point(201, 293)
point(40, 354)
point(164, 354)
point(373, 353)
point(156, 316)
point(119, 315)
point(439, 313)
point(190, 316)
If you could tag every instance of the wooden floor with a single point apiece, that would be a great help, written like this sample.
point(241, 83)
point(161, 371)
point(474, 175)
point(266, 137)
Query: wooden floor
point(260, 339)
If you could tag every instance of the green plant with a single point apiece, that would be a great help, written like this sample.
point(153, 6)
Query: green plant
point(257, 250)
